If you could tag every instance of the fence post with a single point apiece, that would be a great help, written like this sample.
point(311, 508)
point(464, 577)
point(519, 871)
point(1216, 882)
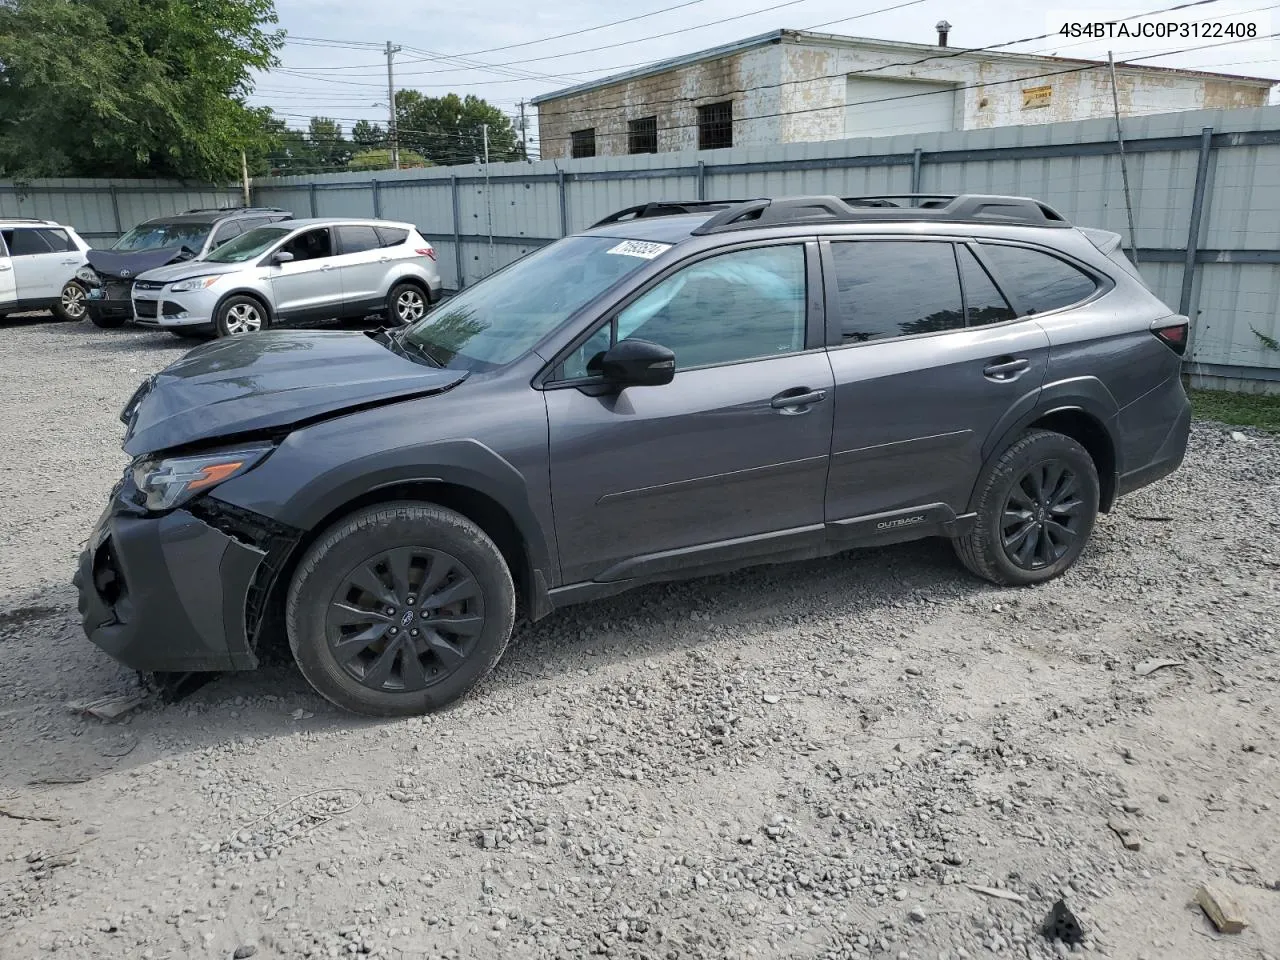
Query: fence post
point(311, 192)
point(377, 199)
point(1189, 263)
point(457, 230)
point(702, 180)
point(915, 171)
point(564, 209)
point(115, 210)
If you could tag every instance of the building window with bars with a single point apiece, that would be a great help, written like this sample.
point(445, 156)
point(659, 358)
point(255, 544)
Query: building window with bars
point(584, 142)
point(715, 126)
point(642, 135)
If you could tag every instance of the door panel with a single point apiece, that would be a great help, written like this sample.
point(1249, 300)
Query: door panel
point(43, 274)
point(912, 412)
point(309, 288)
point(364, 268)
point(651, 480)
point(705, 458)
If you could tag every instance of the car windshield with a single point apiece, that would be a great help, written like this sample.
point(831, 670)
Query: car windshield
point(153, 236)
point(249, 245)
point(504, 315)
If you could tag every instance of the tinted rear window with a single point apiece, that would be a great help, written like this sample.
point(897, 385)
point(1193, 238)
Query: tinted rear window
point(358, 239)
point(1038, 281)
point(895, 288)
point(983, 303)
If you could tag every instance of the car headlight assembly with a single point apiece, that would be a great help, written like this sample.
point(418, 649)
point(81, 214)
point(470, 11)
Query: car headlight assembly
point(87, 275)
point(168, 482)
point(195, 283)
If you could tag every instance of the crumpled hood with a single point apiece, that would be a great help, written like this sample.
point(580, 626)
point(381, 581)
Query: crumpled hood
point(127, 264)
point(186, 269)
point(267, 380)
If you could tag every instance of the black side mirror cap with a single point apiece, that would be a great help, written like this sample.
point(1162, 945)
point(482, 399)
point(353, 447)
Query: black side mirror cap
point(639, 363)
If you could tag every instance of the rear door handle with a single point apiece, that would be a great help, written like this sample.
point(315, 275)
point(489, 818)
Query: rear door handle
point(1006, 368)
point(797, 397)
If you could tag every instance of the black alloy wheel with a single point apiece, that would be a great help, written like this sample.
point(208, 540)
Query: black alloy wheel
point(1042, 515)
point(405, 619)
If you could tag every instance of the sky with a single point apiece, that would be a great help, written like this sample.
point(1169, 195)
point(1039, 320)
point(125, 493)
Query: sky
point(333, 63)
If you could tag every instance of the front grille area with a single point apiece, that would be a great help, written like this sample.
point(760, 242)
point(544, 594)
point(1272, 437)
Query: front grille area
point(146, 309)
point(147, 285)
point(117, 289)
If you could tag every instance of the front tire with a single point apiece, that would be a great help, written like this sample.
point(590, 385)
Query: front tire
point(73, 303)
point(406, 304)
point(240, 315)
point(1037, 505)
point(399, 609)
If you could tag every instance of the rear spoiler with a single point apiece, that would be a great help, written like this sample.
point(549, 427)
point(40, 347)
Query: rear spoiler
point(1109, 244)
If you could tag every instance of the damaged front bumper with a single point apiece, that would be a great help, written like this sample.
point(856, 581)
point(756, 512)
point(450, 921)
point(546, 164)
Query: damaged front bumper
point(176, 592)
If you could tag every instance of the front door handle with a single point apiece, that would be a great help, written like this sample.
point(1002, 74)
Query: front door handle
point(1006, 368)
point(797, 399)
point(6, 266)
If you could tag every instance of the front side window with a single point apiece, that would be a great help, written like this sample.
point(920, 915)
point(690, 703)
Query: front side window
point(248, 246)
point(896, 288)
point(155, 236)
point(1038, 281)
point(500, 318)
point(358, 239)
point(311, 245)
point(744, 305)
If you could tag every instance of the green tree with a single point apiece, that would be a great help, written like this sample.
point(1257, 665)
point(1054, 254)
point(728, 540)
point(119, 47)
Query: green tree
point(328, 146)
point(380, 159)
point(367, 135)
point(449, 129)
point(132, 87)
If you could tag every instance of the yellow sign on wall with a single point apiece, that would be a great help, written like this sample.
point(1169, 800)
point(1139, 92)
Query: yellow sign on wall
point(1033, 97)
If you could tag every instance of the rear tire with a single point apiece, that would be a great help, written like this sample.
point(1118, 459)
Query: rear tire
point(451, 601)
point(406, 304)
point(240, 315)
point(72, 303)
point(1037, 505)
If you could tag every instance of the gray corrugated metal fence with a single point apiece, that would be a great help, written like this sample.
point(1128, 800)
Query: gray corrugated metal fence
point(102, 210)
point(1205, 185)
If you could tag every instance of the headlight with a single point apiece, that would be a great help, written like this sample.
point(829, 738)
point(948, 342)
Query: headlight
point(172, 481)
point(195, 283)
point(88, 275)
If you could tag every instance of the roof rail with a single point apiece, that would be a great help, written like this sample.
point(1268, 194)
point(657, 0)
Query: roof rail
point(665, 208)
point(234, 210)
point(966, 208)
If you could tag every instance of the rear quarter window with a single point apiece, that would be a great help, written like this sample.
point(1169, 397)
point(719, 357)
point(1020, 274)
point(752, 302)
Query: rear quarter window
point(391, 236)
point(1038, 281)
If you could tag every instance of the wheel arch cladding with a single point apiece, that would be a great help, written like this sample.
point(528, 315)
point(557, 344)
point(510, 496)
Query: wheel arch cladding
point(1081, 408)
point(462, 475)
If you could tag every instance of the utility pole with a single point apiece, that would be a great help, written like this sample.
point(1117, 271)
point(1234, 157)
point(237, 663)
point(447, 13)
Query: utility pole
point(244, 176)
point(392, 50)
point(524, 145)
point(488, 197)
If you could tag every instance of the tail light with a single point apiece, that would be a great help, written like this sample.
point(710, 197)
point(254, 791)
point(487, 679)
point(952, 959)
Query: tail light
point(1173, 336)
point(426, 252)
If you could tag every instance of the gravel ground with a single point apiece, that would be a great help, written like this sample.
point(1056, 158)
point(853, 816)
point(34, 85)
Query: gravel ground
point(820, 760)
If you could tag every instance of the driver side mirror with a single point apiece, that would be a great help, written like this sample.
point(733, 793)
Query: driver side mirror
point(638, 363)
point(282, 257)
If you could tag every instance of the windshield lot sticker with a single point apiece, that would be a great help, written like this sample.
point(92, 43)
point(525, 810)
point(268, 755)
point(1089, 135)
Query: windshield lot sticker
point(640, 248)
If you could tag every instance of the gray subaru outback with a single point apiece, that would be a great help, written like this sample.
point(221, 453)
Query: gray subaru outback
point(684, 388)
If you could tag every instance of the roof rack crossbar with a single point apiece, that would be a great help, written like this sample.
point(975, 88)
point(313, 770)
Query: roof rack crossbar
point(793, 211)
point(664, 208)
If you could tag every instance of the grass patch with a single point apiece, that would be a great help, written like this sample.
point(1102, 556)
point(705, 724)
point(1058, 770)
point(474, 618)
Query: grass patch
point(1237, 409)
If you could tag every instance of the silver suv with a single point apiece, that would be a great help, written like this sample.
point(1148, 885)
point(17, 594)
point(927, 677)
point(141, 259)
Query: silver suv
point(293, 272)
